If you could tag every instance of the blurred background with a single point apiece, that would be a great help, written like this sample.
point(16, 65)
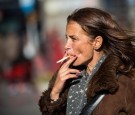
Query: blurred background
point(32, 34)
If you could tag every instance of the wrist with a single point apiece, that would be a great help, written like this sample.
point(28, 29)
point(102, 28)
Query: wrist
point(54, 100)
point(54, 96)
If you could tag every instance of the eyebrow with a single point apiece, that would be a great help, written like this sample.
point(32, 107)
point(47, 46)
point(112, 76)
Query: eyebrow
point(71, 36)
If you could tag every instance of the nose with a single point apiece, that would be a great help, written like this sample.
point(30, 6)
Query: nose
point(67, 45)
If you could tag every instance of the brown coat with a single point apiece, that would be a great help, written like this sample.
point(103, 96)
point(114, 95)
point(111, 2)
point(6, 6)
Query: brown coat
point(119, 98)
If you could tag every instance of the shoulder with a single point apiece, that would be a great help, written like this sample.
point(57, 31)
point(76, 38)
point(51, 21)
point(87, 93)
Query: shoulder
point(128, 77)
point(127, 83)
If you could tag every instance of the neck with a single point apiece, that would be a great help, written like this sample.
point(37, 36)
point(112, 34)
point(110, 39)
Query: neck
point(93, 62)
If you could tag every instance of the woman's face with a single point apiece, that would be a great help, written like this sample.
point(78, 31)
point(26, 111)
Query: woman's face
point(78, 43)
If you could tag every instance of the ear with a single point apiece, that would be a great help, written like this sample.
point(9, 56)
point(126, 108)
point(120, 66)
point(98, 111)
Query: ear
point(98, 42)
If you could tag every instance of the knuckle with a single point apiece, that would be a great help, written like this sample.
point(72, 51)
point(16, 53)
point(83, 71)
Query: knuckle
point(62, 79)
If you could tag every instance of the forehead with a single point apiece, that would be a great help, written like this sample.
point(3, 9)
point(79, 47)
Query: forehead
point(74, 28)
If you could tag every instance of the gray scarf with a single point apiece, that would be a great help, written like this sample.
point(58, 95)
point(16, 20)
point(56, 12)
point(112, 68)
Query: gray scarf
point(77, 98)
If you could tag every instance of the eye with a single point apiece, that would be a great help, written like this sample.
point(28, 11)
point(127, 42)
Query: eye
point(74, 38)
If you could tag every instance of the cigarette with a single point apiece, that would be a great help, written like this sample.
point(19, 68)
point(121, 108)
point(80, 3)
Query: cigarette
point(61, 60)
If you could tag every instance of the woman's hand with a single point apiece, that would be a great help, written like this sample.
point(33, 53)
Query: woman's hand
point(64, 73)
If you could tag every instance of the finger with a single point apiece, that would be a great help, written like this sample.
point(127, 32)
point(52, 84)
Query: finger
point(69, 76)
point(72, 59)
point(72, 71)
point(66, 58)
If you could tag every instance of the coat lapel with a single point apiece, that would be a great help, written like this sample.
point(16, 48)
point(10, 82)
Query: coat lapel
point(105, 80)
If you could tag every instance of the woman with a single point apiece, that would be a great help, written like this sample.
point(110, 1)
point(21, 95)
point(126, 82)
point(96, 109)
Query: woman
point(101, 62)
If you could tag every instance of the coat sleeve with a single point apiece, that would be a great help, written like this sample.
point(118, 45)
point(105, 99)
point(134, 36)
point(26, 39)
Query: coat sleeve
point(55, 108)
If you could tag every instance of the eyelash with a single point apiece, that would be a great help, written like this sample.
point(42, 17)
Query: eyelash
point(73, 39)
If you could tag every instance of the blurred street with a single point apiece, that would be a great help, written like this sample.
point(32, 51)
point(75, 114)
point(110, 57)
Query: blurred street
point(22, 100)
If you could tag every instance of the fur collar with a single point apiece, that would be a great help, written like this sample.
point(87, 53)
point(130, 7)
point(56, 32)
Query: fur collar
point(105, 79)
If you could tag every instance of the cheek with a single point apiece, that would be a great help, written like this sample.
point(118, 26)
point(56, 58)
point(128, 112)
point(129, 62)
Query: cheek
point(85, 51)
point(84, 54)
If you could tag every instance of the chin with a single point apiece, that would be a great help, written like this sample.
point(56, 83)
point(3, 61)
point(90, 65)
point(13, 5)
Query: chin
point(77, 63)
point(79, 66)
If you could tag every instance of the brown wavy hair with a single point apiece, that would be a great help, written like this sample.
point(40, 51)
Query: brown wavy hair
point(116, 41)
